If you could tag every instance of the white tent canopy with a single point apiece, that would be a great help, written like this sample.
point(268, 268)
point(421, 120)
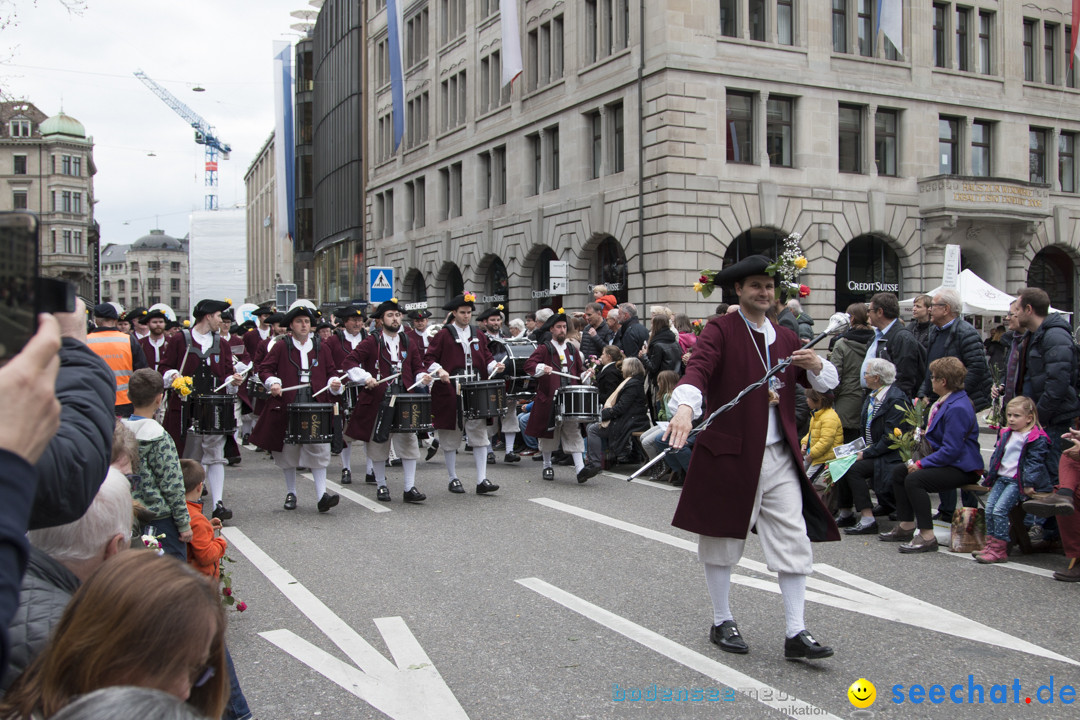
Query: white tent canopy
point(979, 297)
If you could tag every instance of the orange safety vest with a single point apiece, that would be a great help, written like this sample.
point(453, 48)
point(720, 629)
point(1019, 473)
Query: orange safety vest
point(114, 347)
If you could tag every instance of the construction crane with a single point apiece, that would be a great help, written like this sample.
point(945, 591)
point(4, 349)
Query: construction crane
point(204, 135)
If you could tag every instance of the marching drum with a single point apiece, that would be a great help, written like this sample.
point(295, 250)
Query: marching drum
point(213, 414)
point(351, 396)
point(517, 354)
point(256, 389)
point(412, 413)
point(309, 423)
point(483, 399)
point(580, 403)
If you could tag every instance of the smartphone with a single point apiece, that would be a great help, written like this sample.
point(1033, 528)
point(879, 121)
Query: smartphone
point(18, 274)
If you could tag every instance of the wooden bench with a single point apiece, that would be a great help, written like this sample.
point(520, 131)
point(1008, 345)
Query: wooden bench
point(1017, 530)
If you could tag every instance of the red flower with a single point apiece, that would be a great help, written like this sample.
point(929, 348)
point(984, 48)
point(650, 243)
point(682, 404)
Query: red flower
point(704, 280)
point(241, 606)
point(804, 291)
point(227, 592)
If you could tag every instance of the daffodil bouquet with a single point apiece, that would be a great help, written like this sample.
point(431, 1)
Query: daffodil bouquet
point(183, 385)
point(906, 439)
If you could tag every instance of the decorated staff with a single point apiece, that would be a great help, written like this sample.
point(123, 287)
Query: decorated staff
point(460, 349)
point(292, 370)
point(380, 357)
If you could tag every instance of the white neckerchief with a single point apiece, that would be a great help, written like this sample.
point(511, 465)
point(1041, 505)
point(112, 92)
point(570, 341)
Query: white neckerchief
point(775, 431)
point(564, 356)
point(204, 341)
point(353, 340)
point(393, 347)
point(304, 350)
point(263, 334)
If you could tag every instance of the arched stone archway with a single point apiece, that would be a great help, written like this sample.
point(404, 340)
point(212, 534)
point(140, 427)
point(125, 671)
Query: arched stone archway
point(538, 262)
point(867, 265)
point(1054, 270)
point(414, 288)
point(610, 268)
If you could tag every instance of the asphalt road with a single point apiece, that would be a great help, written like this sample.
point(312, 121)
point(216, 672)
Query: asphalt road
point(559, 600)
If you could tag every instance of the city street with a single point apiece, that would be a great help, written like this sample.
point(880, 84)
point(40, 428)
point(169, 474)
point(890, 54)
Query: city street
point(559, 600)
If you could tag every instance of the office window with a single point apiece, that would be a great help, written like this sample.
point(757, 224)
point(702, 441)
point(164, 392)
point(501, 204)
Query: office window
point(940, 17)
point(778, 131)
point(618, 137)
point(545, 53)
point(607, 28)
point(492, 92)
point(1049, 52)
point(416, 202)
point(949, 145)
point(740, 128)
point(729, 25)
point(416, 118)
point(174, 266)
point(1029, 50)
point(382, 62)
point(1037, 155)
point(19, 200)
point(963, 27)
point(1067, 161)
point(535, 159)
point(18, 164)
point(493, 177)
point(71, 165)
point(175, 301)
point(486, 8)
point(849, 140)
point(388, 217)
point(134, 281)
point(785, 22)
point(19, 128)
point(756, 13)
point(885, 150)
point(119, 283)
point(981, 165)
point(453, 99)
point(174, 285)
point(453, 20)
point(552, 137)
point(839, 26)
point(986, 27)
point(451, 187)
point(416, 37)
point(384, 137)
point(596, 136)
point(153, 266)
point(865, 27)
point(153, 284)
point(106, 290)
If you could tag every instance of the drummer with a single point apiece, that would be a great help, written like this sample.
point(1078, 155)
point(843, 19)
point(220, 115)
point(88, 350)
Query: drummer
point(491, 321)
point(209, 363)
point(556, 355)
point(162, 353)
point(241, 364)
point(418, 319)
point(377, 358)
point(344, 340)
point(302, 359)
point(460, 349)
point(275, 330)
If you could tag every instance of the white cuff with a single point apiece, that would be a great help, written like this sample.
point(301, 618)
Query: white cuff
point(358, 375)
point(169, 376)
point(491, 366)
point(271, 381)
point(340, 389)
point(540, 370)
point(241, 367)
point(685, 395)
point(434, 368)
point(231, 389)
point(826, 380)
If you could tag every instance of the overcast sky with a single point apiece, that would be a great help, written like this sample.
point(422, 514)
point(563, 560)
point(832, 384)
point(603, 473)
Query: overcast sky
point(84, 64)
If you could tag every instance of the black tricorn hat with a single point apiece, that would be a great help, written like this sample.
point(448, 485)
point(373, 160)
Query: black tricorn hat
point(276, 318)
point(550, 322)
point(136, 313)
point(299, 310)
point(419, 314)
point(323, 323)
point(490, 312)
point(460, 301)
point(344, 313)
point(158, 314)
point(384, 306)
point(209, 307)
point(262, 310)
point(752, 265)
point(227, 314)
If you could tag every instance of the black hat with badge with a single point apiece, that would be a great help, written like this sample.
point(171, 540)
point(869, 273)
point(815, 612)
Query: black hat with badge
point(748, 266)
point(460, 301)
point(423, 314)
point(227, 314)
point(136, 314)
point(262, 310)
point(490, 312)
point(388, 305)
point(300, 311)
point(155, 314)
point(276, 318)
point(209, 307)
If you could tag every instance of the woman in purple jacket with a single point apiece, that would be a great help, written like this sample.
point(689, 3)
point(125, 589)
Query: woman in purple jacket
point(953, 434)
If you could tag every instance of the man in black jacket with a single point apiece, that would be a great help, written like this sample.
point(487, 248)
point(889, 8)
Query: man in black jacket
point(896, 344)
point(632, 335)
point(952, 336)
point(1049, 374)
point(596, 334)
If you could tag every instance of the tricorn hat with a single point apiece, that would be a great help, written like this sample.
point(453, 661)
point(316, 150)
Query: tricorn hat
point(349, 311)
point(419, 314)
point(550, 322)
point(156, 314)
point(490, 312)
point(384, 306)
point(460, 301)
point(752, 265)
point(209, 307)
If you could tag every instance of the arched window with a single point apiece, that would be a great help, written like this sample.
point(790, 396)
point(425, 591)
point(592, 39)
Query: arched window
point(755, 241)
point(418, 288)
point(498, 285)
point(611, 268)
point(455, 285)
point(866, 266)
point(1055, 272)
point(542, 281)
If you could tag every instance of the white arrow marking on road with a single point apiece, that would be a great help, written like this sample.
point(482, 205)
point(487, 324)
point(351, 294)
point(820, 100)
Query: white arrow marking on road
point(412, 689)
point(730, 677)
point(870, 599)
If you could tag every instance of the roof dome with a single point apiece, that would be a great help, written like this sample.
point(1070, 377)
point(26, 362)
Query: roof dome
point(62, 124)
point(157, 240)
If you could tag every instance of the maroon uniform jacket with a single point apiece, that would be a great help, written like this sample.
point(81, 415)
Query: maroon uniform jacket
point(240, 355)
point(374, 357)
point(252, 340)
point(165, 358)
point(541, 415)
point(447, 351)
point(192, 358)
point(721, 482)
point(283, 362)
point(416, 340)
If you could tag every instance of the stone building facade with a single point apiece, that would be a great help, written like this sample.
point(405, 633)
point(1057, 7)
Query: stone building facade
point(154, 269)
point(735, 123)
point(269, 261)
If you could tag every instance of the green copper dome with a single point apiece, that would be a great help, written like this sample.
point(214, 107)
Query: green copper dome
point(62, 124)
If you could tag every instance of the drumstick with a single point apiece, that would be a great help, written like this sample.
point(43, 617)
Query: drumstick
point(342, 378)
point(389, 378)
point(296, 387)
point(565, 375)
point(222, 386)
point(418, 382)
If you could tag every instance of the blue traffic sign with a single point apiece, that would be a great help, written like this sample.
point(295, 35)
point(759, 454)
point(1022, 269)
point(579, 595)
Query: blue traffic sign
point(380, 284)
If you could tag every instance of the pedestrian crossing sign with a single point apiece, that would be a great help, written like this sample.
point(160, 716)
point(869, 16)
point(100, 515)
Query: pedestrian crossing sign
point(380, 284)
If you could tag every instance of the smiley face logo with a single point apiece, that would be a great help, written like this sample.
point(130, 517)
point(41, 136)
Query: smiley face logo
point(862, 693)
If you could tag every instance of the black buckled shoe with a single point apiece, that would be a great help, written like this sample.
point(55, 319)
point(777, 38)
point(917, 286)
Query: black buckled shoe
point(412, 495)
point(234, 460)
point(548, 474)
point(432, 449)
point(382, 494)
point(221, 512)
point(727, 636)
point(328, 501)
point(290, 502)
point(485, 486)
point(860, 529)
point(369, 478)
point(587, 472)
point(247, 439)
point(511, 457)
point(346, 476)
point(804, 647)
point(455, 486)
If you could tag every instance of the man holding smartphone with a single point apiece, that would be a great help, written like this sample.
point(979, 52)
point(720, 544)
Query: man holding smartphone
point(120, 351)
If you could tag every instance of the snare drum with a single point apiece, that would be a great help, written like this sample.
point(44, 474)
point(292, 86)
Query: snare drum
point(309, 423)
point(517, 354)
point(213, 415)
point(412, 413)
point(483, 399)
point(256, 390)
point(579, 403)
point(351, 396)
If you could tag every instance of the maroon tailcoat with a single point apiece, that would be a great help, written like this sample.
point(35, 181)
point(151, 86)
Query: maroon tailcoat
point(447, 351)
point(191, 359)
point(240, 354)
point(374, 357)
point(546, 385)
point(252, 340)
point(721, 482)
point(165, 358)
point(283, 362)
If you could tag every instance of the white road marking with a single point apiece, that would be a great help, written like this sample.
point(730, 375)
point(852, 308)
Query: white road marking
point(863, 596)
point(734, 679)
point(356, 497)
point(642, 481)
point(405, 691)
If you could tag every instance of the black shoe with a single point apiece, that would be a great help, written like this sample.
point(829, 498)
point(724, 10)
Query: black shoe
point(247, 438)
point(805, 646)
point(396, 462)
point(346, 477)
point(678, 478)
point(235, 460)
point(328, 501)
point(221, 512)
point(412, 495)
point(204, 492)
point(491, 457)
point(432, 449)
point(846, 522)
point(548, 474)
point(370, 478)
point(455, 486)
point(871, 529)
point(945, 517)
point(290, 502)
point(564, 461)
point(382, 494)
point(486, 486)
point(587, 472)
point(882, 510)
point(511, 457)
point(727, 636)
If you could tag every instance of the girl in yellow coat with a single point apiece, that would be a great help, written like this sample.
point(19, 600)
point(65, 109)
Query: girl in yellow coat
point(826, 430)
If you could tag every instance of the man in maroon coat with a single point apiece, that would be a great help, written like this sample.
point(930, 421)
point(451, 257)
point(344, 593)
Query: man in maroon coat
point(380, 356)
point(162, 353)
point(744, 472)
point(460, 349)
point(344, 340)
point(241, 364)
point(299, 358)
point(256, 390)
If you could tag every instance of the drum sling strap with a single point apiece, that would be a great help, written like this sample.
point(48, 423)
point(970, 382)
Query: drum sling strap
point(203, 379)
point(303, 395)
point(384, 416)
point(553, 353)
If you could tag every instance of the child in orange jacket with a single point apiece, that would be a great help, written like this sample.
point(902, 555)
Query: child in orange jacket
point(206, 547)
point(601, 295)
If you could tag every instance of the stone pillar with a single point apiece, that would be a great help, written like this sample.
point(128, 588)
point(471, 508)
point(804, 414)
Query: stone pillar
point(1016, 271)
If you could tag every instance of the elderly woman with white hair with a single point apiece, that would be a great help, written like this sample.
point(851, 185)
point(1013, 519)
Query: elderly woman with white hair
point(882, 412)
point(517, 328)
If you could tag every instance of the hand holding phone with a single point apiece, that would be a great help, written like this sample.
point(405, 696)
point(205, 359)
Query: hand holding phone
point(28, 385)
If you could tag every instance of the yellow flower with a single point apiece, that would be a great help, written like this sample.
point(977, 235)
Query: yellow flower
point(393, 300)
point(698, 286)
point(800, 262)
point(499, 307)
point(896, 432)
point(228, 300)
point(561, 312)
